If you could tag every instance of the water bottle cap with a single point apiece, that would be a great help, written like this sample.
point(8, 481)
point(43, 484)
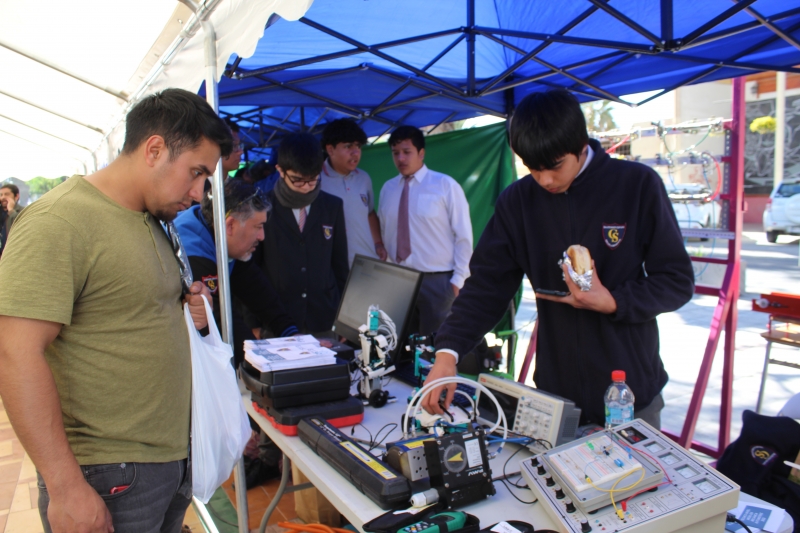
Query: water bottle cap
point(618, 375)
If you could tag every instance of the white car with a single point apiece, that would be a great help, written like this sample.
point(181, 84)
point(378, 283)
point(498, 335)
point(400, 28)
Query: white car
point(692, 205)
point(782, 214)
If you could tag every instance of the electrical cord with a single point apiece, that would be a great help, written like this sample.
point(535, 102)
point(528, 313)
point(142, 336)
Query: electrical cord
point(378, 443)
point(731, 518)
point(614, 488)
point(373, 442)
point(507, 483)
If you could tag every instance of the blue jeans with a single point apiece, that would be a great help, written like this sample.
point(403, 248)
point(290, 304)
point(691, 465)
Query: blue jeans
point(155, 500)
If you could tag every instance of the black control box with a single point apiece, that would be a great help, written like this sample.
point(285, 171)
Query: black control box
point(458, 465)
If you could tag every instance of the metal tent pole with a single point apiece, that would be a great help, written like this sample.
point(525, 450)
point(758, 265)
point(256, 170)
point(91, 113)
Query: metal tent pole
point(223, 279)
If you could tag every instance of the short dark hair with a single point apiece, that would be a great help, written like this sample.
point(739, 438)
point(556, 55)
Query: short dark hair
point(232, 125)
point(182, 118)
point(241, 173)
point(547, 126)
point(242, 199)
point(11, 187)
point(343, 130)
point(411, 133)
point(301, 152)
point(261, 169)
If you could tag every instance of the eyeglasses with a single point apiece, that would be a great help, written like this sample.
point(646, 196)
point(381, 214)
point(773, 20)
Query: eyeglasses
point(258, 200)
point(300, 180)
point(238, 147)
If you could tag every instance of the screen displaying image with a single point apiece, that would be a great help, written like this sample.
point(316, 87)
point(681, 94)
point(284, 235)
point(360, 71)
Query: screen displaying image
point(489, 412)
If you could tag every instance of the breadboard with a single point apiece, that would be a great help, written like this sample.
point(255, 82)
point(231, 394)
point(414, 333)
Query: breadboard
point(601, 459)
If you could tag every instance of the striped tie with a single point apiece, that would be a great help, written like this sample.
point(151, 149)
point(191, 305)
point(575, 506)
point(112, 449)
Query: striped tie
point(302, 220)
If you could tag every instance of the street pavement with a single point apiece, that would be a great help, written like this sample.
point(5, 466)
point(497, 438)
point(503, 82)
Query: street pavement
point(684, 335)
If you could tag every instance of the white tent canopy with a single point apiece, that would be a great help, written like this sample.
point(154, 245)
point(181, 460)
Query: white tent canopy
point(71, 70)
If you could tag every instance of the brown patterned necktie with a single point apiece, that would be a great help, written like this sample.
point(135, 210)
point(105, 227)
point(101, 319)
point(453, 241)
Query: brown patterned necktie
point(403, 233)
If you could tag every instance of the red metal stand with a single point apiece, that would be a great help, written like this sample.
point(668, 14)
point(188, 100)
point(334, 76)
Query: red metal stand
point(526, 365)
point(726, 314)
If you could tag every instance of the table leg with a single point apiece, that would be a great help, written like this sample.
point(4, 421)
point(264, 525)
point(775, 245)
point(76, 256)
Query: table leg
point(763, 378)
point(278, 495)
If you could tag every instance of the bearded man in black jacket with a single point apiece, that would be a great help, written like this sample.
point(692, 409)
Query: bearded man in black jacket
point(619, 210)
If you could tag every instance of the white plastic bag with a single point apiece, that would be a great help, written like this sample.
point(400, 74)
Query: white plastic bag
point(220, 428)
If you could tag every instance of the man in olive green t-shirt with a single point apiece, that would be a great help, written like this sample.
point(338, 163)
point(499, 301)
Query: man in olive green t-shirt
point(96, 367)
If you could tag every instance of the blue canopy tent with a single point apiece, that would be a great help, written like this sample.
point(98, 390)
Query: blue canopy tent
point(428, 62)
point(425, 62)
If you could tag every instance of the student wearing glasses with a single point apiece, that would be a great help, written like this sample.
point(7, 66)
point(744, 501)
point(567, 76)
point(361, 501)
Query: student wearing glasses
point(304, 252)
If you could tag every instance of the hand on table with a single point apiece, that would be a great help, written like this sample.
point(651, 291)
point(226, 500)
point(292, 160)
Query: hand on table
point(444, 367)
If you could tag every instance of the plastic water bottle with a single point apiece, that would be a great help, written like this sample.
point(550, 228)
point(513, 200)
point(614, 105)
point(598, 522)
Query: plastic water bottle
point(619, 401)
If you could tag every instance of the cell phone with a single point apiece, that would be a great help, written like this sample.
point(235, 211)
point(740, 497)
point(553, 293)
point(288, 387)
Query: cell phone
point(551, 292)
point(115, 490)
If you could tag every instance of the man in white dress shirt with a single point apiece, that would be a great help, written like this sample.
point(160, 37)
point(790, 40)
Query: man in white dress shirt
point(342, 140)
point(425, 222)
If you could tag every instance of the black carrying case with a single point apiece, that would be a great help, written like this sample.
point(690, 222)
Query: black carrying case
point(388, 489)
point(297, 387)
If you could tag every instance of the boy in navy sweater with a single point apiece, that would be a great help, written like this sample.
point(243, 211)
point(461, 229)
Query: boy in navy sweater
point(619, 210)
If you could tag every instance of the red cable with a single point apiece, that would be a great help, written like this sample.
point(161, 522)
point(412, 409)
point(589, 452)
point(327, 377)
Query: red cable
point(667, 482)
point(614, 148)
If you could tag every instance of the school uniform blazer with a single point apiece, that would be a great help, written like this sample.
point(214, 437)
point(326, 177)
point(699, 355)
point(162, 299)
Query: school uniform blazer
point(309, 269)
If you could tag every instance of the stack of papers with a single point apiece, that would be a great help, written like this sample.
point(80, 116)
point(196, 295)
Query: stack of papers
point(303, 351)
point(759, 516)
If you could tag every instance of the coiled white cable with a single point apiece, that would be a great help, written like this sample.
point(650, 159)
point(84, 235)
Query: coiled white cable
point(388, 328)
point(414, 405)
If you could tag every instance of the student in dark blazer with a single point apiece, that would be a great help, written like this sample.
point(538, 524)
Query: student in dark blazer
point(304, 252)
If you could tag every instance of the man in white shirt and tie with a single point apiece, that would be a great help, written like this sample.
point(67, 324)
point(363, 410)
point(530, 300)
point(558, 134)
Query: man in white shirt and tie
point(426, 226)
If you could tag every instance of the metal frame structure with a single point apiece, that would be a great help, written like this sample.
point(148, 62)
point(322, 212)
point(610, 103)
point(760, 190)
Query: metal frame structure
point(264, 131)
point(726, 315)
point(221, 241)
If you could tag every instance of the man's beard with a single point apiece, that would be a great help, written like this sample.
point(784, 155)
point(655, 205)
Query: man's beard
point(246, 257)
point(164, 215)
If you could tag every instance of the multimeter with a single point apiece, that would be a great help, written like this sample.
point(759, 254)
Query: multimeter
point(454, 521)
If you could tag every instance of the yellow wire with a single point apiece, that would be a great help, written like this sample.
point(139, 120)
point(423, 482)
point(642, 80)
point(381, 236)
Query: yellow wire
point(614, 488)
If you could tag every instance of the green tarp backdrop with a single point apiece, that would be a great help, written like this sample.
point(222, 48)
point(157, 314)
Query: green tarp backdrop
point(479, 159)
